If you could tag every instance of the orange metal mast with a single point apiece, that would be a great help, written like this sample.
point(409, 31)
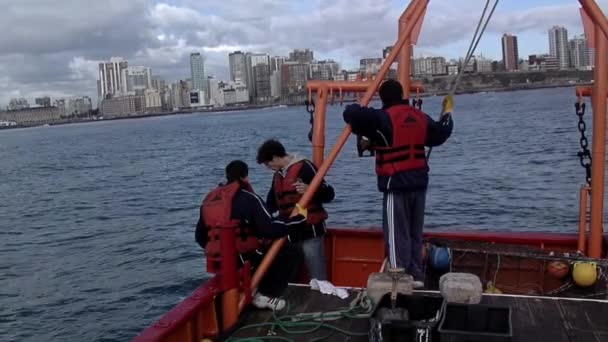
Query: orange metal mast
point(405, 55)
point(596, 30)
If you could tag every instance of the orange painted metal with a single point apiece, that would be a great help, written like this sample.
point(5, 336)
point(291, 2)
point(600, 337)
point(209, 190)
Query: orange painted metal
point(318, 127)
point(405, 55)
point(598, 151)
point(585, 91)
point(582, 219)
point(403, 69)
point(408, 14)
point(354, 86)
point(353, 253)
point(314, 185)
point(193, 318)
point(597, 16)
point(588, 27)
point(230, 314)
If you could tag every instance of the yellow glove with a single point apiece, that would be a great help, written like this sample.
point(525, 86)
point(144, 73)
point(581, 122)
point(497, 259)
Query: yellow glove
point(302, 211)
point(448, 104)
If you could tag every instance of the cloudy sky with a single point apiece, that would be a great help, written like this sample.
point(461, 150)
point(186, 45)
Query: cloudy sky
point(52, 47)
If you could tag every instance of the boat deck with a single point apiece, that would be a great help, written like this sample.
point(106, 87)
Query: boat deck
point(533, 318)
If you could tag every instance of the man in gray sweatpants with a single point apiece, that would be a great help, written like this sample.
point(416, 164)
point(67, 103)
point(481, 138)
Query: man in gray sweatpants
point(399, 134)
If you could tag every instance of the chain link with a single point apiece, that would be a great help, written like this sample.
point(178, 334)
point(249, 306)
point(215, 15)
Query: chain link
point(585, 154)
point(310, 108)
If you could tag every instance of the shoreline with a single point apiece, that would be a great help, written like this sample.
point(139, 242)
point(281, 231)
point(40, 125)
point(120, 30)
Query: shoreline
point(255, 107)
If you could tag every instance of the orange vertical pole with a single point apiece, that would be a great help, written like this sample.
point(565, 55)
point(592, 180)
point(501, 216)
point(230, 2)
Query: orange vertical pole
point(333, 154)
point(403, 70)
point(582, 220)
point(597, 16)
point(403, 67)
point(318, 127)
point(598, 151)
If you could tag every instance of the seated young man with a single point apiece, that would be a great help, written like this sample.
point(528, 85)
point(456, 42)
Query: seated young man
point(236, 201)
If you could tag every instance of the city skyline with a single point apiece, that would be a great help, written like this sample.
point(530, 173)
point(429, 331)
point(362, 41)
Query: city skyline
point(64, 63)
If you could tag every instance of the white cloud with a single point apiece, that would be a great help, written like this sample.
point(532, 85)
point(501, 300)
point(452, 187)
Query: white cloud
point(57, 44)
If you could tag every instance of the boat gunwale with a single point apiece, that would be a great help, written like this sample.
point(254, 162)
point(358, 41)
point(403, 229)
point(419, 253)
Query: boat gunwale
point(185, 311)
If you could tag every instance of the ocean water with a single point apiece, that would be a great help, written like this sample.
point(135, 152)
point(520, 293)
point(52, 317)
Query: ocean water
point(97, 220)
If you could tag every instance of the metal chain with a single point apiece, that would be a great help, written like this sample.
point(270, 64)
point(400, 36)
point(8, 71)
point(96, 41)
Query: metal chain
point(417, 103)
point(310, 108)
point(585, 154)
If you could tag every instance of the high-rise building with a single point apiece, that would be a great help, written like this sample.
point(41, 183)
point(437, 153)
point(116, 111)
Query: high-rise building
point(238, 66)
point(180, 94)
point(261, 77)
point(324, 70)
point(254, 59)
point(510, 52)
point(370, 65)
point(276, 63)
point(17, 104)
point(43, 101)
point(482, 64)
point(429, 66)
point(580, 53)
point(301, 56)
point(158, 83)
point(197, 72)
point(275, 84)
point(110, 77)
point(558, 46)
point(136, 80)
point(293, 77)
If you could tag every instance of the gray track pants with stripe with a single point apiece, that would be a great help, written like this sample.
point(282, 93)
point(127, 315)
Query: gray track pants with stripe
point(402, 222)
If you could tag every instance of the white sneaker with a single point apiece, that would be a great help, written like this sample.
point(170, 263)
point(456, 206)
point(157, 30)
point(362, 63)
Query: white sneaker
point(417, 284)
point(263, 302)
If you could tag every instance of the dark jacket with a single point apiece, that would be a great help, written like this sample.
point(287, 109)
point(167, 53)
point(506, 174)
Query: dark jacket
point(249, 208)
point(324, 194)
point(376, 125)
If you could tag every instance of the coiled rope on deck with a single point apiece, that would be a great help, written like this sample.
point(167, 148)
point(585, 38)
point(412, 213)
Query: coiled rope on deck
point(306, 323)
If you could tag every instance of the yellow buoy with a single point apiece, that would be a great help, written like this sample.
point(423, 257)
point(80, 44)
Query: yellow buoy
point(492, 289)
point(584, 273)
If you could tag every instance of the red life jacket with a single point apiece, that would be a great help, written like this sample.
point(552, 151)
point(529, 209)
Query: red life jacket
point(409, 137)
point(287, 196)
point(216, 211)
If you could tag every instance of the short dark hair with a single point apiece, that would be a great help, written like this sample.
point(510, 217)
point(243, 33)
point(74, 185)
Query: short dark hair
point(236, 170)
point(270, 148)
point(391, 92)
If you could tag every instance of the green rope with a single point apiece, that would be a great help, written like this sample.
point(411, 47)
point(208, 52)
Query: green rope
point(307, 323)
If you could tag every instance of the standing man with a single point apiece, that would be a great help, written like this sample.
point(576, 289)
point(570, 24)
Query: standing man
point(292, 176)
point(400, 133)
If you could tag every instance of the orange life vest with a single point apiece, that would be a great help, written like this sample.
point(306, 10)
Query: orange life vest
point(287, 196)
point(216, 211)
point(409, 137)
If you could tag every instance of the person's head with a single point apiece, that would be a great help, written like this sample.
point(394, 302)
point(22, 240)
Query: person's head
point(237, 170)
point(272, 154)
point(391, 92)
